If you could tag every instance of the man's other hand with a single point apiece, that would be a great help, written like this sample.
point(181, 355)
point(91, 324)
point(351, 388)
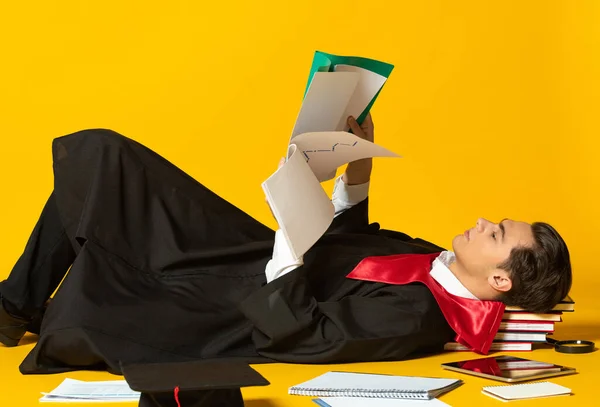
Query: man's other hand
point(359, 172)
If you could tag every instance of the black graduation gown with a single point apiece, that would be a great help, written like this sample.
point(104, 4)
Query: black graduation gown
point(168, 271)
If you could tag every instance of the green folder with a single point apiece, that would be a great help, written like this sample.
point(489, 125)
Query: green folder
point(323, 62)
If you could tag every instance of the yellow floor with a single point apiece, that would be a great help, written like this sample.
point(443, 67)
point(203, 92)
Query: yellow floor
point(24, 391)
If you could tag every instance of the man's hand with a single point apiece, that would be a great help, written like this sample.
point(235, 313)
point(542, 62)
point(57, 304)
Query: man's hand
point(359, 172)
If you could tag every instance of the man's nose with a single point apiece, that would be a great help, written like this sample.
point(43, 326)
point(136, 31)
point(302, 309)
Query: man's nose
point(482, 224)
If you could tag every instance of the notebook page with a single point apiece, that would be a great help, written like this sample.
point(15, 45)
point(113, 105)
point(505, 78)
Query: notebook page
point(344, 380)
point(299, 203)
point(325, 103)
point(371, 402)
point(325, 151)
point(78, 391)
point(61, 399)
point(369, 84)
point(528, 390)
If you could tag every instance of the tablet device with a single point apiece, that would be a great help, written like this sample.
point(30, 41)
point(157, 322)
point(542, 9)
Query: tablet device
point(508, 368)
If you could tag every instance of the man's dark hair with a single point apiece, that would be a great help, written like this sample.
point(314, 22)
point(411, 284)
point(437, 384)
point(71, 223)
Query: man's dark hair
point(541, 274)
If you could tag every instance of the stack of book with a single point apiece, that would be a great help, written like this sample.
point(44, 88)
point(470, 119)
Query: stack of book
point(521, 330)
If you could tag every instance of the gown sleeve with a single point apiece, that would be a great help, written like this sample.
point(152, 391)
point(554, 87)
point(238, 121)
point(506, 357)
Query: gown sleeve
point(389, 323)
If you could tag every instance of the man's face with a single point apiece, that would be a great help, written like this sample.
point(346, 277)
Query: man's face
point(483, 247)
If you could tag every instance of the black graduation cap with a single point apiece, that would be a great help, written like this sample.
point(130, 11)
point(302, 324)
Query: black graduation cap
point(214, 383)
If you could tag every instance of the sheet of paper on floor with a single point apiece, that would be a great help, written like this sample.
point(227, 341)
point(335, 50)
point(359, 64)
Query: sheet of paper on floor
point(77, 391)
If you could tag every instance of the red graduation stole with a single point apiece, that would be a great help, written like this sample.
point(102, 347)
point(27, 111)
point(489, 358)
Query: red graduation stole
point(475, 322)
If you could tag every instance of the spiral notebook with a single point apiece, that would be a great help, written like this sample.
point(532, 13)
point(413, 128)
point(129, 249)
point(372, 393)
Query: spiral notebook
point(526, 391)
point(371, 402)
point(347, 384)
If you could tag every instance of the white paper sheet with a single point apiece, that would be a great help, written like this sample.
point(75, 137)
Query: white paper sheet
point(300, 205)
point(325, 102)
point(326, 151)
point(369, 84)
point(77, 391)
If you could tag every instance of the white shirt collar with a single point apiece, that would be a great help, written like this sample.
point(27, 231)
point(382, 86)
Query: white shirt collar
point(442, 274)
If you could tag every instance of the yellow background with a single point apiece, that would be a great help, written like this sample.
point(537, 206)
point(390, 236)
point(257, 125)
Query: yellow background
point(492, 104)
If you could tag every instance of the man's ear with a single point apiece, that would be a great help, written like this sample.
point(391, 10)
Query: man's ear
point(500, 281)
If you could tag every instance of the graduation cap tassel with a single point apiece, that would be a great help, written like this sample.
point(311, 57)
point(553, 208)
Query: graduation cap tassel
point(176, 394)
